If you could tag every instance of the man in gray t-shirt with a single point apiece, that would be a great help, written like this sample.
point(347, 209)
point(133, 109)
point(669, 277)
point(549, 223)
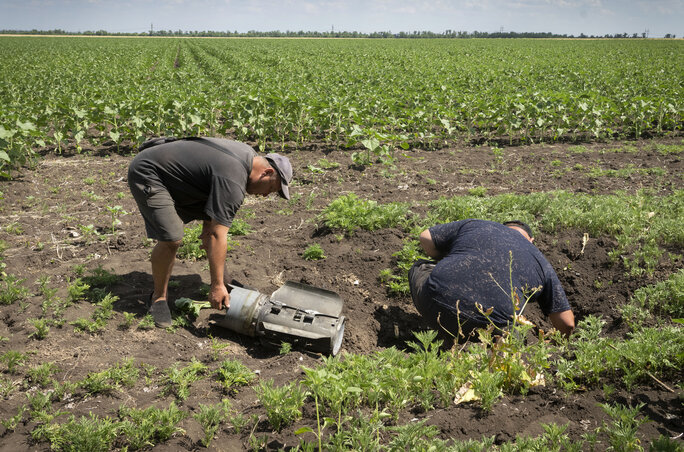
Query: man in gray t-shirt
point(177, 181)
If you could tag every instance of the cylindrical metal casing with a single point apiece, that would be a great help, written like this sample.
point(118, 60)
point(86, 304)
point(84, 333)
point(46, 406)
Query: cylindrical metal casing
point(244, 309)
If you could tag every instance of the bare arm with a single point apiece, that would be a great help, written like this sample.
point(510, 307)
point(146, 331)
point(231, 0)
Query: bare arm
point(428, 245)
point(215, 242)
point(563, 321)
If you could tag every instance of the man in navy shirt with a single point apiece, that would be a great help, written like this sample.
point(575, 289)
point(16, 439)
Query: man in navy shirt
point(482, 271)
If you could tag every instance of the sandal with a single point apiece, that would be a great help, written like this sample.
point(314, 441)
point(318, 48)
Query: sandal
point(159, 310)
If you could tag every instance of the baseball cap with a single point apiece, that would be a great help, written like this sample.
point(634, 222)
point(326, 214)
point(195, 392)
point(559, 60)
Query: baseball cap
point(282, 165)
point(521, 225)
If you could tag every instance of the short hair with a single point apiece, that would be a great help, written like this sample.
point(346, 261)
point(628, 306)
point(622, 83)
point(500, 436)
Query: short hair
point(522, 225)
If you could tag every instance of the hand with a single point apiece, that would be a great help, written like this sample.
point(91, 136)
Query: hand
point(563, 321)
point(219, 297)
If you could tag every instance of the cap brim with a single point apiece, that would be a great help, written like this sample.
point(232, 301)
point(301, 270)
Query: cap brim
point(284, 191)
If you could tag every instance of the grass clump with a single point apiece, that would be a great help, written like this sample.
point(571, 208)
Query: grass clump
point(42, 375)
point(178, 379)
point(397, 284)
point(210, 417)
point(42, 327)
point(40, 404)
point(77, 290)
point(12, 422)
point(666, 149)
point(233, 374)
point(648, 352)
point(121, 374)
point(623, 426)
point(147, 427)
point(12, 290)
point(239, 227)
point(415, 436)
point(191, 245)
point(103, 312)
point(91, 433)
point(391, 380)
point(146, 323)
point(350, 213)
point(640, 223)
point(313, 252)
point(13, 359)
point(283, 404)
point(665, 298)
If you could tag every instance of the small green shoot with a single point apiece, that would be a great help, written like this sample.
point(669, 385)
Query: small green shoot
point(283, 404)
point(147, 427)
point(313, 252)
point(233, 374)
point(42, 327)
point(42, 374)
point(177, 380)
point(210, 417)
point(216, 347)
point(147, 323)
point(11, 290)
point(13, 359)
point(239, 227)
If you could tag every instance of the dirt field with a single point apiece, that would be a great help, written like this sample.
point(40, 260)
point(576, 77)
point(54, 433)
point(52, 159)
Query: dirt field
point(46, 209)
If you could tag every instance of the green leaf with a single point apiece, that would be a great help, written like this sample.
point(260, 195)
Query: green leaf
point(26, 125)
point(371, 143)
point(191, 307)
point(4, 133)
point(4, 156)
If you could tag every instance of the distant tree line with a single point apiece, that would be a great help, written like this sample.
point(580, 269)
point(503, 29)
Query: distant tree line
point(334, 34)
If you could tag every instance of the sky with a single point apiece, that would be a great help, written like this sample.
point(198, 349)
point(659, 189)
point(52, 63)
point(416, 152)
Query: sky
point(572, 17)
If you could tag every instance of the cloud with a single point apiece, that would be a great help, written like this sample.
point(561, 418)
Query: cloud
point(664, 7)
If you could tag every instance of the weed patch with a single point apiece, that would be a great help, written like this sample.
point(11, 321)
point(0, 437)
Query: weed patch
point(349, 213)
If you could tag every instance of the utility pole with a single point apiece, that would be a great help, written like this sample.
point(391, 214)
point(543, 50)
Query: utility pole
point(151, 28)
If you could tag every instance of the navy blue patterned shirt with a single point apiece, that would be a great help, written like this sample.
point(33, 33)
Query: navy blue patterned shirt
point(481, 261)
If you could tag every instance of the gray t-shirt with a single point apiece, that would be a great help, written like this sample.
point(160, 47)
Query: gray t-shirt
point(205, 183)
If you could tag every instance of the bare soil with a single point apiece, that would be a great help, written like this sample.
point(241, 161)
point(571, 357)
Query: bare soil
point(45, 208)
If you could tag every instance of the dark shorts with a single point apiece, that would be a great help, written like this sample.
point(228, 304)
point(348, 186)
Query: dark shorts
point(455, 321)
point(157, 208)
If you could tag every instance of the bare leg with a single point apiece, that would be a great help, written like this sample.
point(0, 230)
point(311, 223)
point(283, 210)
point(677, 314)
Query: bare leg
point(163, 258)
